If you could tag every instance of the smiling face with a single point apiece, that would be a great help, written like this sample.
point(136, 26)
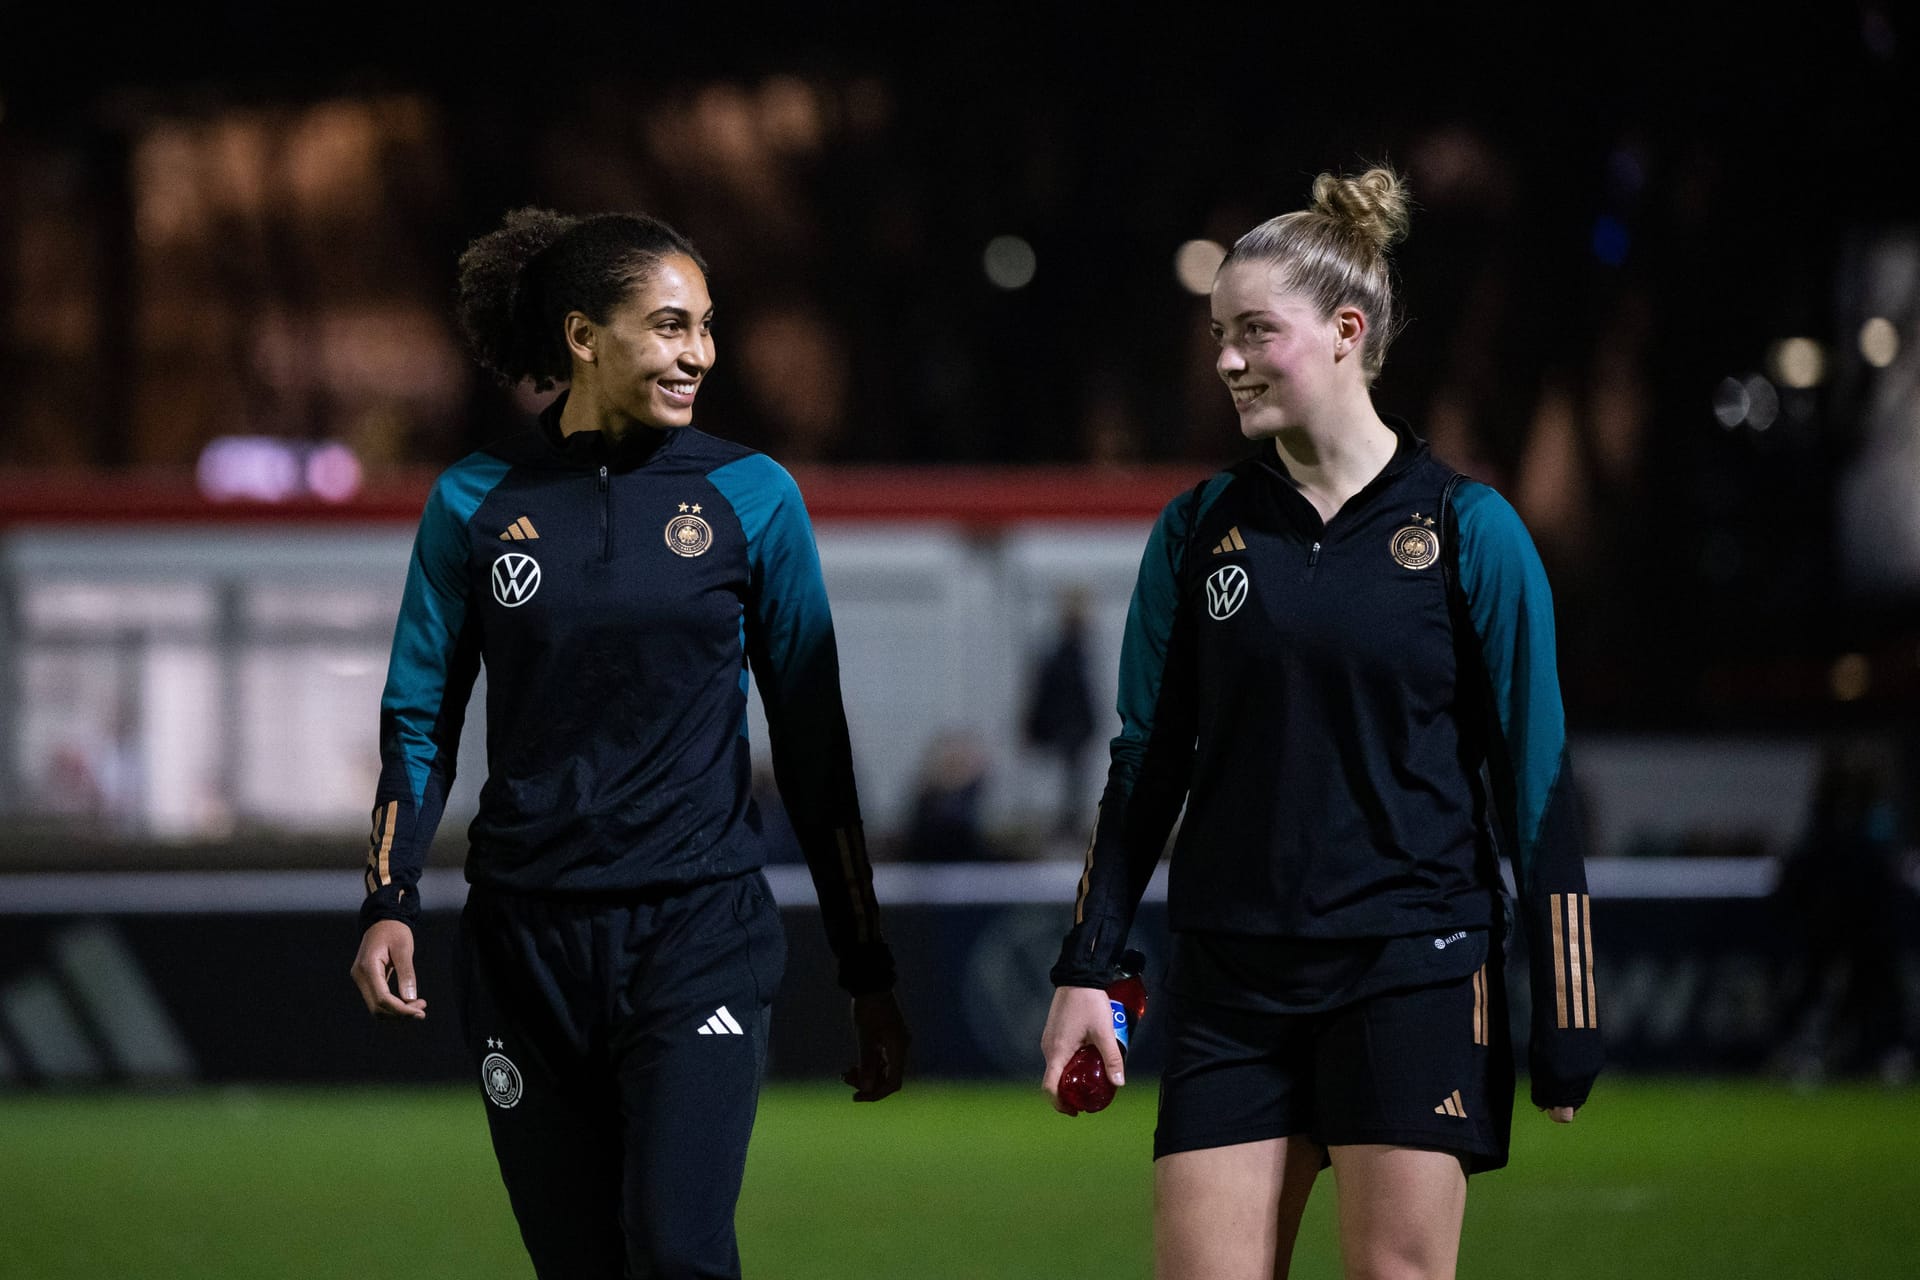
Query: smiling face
point(655, 348)
point(1280, 358)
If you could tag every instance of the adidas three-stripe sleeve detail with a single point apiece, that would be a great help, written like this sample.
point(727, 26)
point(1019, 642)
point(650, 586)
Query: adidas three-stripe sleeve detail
point(1511, 608)
point(430, 673)
point(1151, 758)
point(795, 661)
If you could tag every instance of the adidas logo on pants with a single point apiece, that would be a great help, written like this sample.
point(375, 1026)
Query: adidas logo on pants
point(721, 1023)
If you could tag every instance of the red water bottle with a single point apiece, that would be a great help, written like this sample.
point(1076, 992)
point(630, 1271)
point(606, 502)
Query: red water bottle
point(1084, 1085)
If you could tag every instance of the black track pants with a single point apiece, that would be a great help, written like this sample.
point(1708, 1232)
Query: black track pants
point(619, 1044)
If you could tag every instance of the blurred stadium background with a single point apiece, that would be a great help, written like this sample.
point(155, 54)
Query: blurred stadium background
point(1664, 287)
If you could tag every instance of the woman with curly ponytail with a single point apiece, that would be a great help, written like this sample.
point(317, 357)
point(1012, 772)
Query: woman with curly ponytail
point(618, 571)
point(1340, 661)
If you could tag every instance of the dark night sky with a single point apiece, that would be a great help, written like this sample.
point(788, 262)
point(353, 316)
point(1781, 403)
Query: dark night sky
point(1801, 117)
point(1569, 69)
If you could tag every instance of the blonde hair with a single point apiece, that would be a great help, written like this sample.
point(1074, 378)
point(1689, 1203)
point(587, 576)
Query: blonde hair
point(1335, 251)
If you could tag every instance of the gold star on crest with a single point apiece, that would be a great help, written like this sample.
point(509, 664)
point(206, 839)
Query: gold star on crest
point(683, 507)
point(696, 508)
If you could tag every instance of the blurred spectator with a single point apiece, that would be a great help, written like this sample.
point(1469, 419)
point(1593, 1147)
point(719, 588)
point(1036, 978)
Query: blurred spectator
point(1841, 883)
point(946, 824)
point(794, 361)
point(98, 776)
point(1110, 431)
point(1059, 720)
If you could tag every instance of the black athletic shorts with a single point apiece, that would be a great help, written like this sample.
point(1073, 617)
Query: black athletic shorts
point(1428, 1066)
point(618, 1044)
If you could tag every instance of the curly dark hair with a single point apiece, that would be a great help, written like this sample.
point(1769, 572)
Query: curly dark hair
point(519, 282)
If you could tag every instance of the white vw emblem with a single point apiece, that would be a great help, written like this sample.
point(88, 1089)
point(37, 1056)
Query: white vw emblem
point(1226, 591)
point(516, 576)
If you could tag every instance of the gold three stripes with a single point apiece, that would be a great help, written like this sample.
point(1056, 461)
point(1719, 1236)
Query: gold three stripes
point(1232, 542)
point(1480, 1035)
point(380, 845)
point(519, 531)
point(1452, 1105)
point(1573, 993)
point(1586, 931)
point(1086, 876)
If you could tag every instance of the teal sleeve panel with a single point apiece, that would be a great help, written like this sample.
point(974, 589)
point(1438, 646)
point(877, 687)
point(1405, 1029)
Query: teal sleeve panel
point(1536, 807)
point(1152, 756)
point(430, 675)
point(1512, 611)
point(795, 661)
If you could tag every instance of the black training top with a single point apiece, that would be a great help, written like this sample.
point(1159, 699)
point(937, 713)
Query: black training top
point(1322, 697)
point(618, 593)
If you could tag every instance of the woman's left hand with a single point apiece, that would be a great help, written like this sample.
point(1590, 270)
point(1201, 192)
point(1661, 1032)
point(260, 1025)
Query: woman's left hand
point(1561, 1115)
point(881, 1034)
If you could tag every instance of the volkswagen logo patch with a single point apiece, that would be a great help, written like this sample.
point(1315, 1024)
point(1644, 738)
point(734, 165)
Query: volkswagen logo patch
point(516, 576)
point(1226, 592)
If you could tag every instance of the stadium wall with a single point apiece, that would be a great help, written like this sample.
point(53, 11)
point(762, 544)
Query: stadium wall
point(110, 979)
point(178, 671)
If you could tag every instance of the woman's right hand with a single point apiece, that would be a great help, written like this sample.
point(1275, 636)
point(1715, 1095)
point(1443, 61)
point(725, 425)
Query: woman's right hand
point(386, 955)
point(1080, 1015)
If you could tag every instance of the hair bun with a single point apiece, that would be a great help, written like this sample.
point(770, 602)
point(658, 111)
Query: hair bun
point(1374, 205)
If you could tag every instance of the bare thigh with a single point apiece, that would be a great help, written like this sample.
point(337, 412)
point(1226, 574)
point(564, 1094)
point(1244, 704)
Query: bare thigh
point(1231, 1213)
point(1400, 1211)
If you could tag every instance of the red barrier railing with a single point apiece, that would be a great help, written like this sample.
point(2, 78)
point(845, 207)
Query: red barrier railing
point(975, 496)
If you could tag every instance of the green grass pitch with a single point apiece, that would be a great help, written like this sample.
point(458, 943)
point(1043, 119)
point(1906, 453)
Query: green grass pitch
point(1656, 1179)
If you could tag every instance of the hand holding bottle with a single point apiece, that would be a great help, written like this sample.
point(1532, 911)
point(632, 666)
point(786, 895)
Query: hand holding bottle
point(1086, 1038)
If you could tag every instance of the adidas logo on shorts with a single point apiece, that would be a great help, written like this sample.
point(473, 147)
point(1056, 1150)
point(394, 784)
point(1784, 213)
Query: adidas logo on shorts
point(721, 1023)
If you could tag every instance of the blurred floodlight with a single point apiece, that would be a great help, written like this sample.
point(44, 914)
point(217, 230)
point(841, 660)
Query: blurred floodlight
point(1879, 342)
point(1009, 262)
point(1610, 240)
point(1730, 403)
point(333, 473)
point(1851, 677)
point(790, 114)
point(269, 469)
point(1763, 402)
point(1798, 363)
point(256, 468)
point(1195, 264)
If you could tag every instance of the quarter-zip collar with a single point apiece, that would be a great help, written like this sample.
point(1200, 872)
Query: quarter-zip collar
point(595, 450)
point(1408, 450)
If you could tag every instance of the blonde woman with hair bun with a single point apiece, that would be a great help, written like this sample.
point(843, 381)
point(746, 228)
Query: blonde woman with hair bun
point(1340, 661)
